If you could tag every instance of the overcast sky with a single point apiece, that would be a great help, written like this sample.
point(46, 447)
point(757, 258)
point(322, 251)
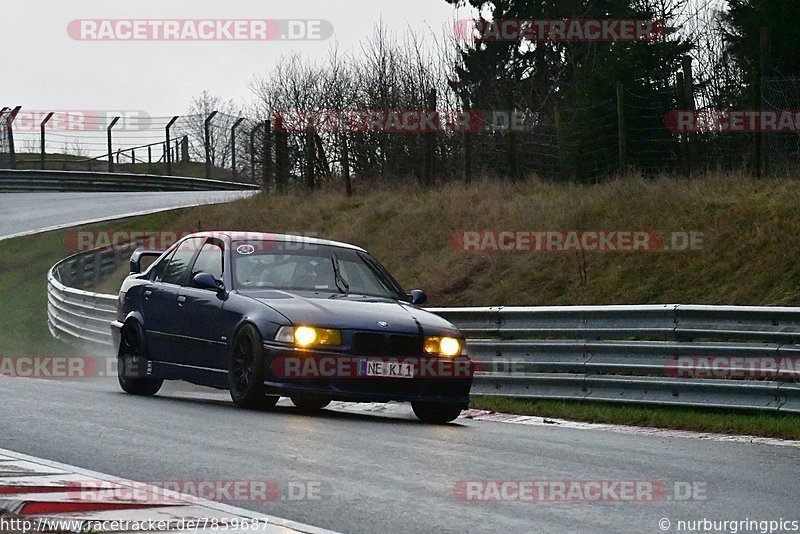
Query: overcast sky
point(44, 68)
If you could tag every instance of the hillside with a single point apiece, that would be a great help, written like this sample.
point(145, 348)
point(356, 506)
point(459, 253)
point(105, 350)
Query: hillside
point(750, 233)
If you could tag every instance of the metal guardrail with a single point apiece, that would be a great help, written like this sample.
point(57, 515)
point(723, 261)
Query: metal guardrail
point(75, 313)
point(36, 180)
point(623, 354)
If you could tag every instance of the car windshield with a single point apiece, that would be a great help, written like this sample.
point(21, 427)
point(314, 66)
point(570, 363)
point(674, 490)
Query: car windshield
point(264, 264)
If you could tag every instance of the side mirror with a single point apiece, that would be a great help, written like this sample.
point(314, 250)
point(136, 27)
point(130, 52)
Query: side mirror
point(206, 281)
point(418, 296)
point(141, 253)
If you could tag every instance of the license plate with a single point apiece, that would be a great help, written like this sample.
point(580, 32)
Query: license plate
point(387, 369)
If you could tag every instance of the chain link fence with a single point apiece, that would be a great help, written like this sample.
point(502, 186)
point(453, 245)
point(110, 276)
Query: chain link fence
point(781, 150)
point(634, 129)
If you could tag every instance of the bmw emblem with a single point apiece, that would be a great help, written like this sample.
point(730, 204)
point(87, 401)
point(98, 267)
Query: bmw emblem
point(383, 324)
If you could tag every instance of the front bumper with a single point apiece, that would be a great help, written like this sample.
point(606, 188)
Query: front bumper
point(338, 376)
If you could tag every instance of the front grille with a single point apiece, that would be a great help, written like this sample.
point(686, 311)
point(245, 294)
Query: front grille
point(395, 345)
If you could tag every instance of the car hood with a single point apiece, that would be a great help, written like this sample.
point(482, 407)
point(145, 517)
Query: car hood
point(352, 312)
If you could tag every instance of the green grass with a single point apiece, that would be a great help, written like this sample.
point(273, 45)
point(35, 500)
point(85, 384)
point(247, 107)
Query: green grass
point(772, 425)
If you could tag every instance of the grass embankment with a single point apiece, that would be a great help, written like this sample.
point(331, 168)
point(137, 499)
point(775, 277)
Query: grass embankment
point(751, 238)
point(751, 235)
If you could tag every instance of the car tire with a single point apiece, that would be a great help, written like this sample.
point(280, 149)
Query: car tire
point(310, 403)
point(132, 349)
point(436, 412)
point(246, 371)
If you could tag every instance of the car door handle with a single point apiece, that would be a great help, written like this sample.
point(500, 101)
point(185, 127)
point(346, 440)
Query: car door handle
point(181, 300)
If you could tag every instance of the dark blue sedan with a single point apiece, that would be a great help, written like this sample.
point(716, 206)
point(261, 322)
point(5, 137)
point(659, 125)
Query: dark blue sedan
point(266, 315)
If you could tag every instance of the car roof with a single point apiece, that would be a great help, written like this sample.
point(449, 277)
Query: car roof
point(264, 236)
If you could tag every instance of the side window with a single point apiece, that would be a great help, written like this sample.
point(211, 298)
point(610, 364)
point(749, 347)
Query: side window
point(157, 274)
point(209, 261)
point(178, 269)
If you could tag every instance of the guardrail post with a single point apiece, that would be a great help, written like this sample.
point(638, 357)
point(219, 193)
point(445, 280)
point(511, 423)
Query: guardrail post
point(110, 151)
point(10, 126)
point(207, 142)
point(233, 145)
point(97, 268)
point(80, 271)
point(42, 144)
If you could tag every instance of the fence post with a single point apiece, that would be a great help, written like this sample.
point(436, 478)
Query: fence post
point(311, 152)
point(688, 98)
point(185, 149)
point(266, 156)
point(12, 150)
point(149, 155)
point(348, 186)
point(763, 69)
point(623, 138)
point(430, 140)
point(110, 150)
point(43, 139)
point(467, 146)
point(207, 142)
point(513, 160)
point(561, 140)
point(168, 145)
point(253, 152)
point(281, 154)
point(233, 144)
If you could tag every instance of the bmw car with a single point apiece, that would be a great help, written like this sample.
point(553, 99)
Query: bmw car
point(269, 315)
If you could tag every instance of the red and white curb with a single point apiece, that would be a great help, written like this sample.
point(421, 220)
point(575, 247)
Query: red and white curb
point(43, 493)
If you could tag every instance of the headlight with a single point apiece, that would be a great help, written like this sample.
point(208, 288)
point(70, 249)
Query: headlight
point(307, 336)
point(444, 346)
